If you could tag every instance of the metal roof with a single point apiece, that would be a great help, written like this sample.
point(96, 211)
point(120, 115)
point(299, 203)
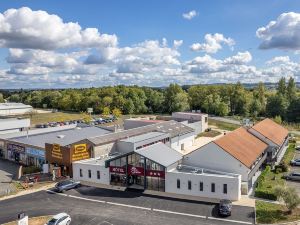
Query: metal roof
point(172, 127)
point(13, 105)
point(63, 138)
point(143, 137)
point(161, 154)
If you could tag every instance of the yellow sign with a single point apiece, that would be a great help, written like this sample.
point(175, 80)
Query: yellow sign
point(80, 152)
point(56, 151)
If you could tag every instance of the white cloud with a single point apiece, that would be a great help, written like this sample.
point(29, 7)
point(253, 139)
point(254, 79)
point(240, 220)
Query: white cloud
point(177, 43)
point(284, 33)
point(279, 59)
point(213, 43)
point(239, 58)
point(24, 28)
point(189, 15)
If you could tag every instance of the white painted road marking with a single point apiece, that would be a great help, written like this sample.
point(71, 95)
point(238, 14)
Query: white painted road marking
point(156, 210)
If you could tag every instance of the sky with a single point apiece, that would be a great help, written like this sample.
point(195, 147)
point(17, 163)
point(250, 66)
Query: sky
point(72, 44)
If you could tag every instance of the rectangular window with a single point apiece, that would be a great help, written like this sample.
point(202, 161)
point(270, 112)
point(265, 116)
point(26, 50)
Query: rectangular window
point(90, 173)
point(80, 172)
point(213, 187)
point(98, 174)
point(178, 183)
point(225, 188)
point(201, 186)
point(190, 185)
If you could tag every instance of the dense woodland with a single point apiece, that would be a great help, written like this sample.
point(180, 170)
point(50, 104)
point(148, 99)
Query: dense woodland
point(222, 100)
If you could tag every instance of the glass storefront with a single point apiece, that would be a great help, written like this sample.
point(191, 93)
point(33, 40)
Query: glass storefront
point(136, 171)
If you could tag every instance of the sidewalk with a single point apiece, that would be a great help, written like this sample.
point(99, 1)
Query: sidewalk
point(28, 191)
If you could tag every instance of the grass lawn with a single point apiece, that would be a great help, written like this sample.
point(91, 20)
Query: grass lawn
point(34, 221)
point(289, 154)
point(212, 133)
point(274, 213)
point(222, 125)
point(41, 118)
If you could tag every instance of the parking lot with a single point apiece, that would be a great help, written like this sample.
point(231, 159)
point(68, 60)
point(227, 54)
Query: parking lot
point(295, 184)
point(174, 206)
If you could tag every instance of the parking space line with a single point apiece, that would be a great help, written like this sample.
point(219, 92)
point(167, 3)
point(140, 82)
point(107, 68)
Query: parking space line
point(179, 213)
point(87, 199)
point(130, 206)
point(228, 220)
point(53, 192)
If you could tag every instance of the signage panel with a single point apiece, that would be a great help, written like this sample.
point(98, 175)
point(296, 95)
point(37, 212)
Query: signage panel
point(138, 171)
point(35, 152)
point(16, 148)
point(155, 173)
point(56, 151)
point(117, 169)
point(80, 152)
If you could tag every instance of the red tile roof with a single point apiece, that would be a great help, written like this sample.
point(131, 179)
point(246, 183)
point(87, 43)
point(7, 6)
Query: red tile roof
point(271, 130)
point(242, 145)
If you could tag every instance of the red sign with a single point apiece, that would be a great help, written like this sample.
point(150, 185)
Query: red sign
point(155, 173)
point(132, 170)
point(117, 169)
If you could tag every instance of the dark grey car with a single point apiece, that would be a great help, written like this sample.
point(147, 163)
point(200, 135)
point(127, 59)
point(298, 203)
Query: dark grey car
point(293, 176)
point(66, 185)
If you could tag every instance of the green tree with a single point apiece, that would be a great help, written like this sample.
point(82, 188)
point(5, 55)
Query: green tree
point(13, 98)
point(1, 98)
point(106, 111)
point(291, 90)
point(175, 99)
point(278, 119)
point(276, 106)
point(293, 111)
point(222, 109)
point(117, 112)
point(289, 195)
point(281, 87)
point(255, 107)
point(129, 107)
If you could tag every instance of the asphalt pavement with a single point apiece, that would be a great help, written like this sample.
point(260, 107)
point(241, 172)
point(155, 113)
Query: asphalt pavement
point(8, 172)
point(88, 205)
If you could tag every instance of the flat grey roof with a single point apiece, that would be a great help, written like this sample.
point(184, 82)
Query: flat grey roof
point(160, 153)
point(172, 127)
point(143, 137)
point(197, 170)
point(13, 105)
point(63, 138)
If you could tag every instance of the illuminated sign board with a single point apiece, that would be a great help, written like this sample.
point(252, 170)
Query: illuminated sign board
point(80, 152)
point(15, 148)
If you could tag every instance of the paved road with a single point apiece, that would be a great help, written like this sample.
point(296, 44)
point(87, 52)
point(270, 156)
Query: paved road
point(295, 184)
point(119, 208)
point(8, 171)
point(226, 120)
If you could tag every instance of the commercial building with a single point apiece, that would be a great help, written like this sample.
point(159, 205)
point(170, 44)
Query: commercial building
point(13, 125)
point(35, 147)
point(12, 108)
point(196, 120)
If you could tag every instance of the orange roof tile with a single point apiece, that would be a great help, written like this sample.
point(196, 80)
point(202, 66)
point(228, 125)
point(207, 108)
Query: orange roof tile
point(271, 130)
point(242, 145)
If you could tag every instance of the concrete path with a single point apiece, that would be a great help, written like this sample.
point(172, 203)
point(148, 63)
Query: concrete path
point(8, 171)
point(226, 120)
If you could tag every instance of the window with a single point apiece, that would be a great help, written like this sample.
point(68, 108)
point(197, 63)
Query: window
point(98, 174)
point(178, 183)
point(190, 185)
point(90, 173)
point(213, 187)
point(205, 119)
point(201, 186)
point(80, 172)
point(225, 188)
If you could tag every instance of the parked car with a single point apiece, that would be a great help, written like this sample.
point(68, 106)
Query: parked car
point(298, 147)
point(225, 207)
point(59, 219)
point(293, 176)
point(295, 162)
point(66, 185)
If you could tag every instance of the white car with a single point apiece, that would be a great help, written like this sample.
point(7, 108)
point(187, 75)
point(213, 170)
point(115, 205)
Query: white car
point(295, 162)
point(59, 219)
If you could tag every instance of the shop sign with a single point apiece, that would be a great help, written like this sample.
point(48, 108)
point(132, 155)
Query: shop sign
point(133, 170)
point(117, 169)
point(56, 151)
point(80, 152)
point(155, 173)
point(35, 152)
point(15, 148)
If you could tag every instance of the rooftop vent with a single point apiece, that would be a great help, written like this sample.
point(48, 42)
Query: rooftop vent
point(60, 136)
point(179, 167)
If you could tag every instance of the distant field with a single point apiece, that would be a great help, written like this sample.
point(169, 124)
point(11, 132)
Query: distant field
point(53, 117)
point(222, 125)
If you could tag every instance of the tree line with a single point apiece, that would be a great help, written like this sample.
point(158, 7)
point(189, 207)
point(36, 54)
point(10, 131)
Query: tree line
point(221, 100)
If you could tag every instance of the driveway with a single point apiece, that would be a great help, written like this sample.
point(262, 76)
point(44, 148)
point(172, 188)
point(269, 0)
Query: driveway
point(8, 171)
point(295, 184)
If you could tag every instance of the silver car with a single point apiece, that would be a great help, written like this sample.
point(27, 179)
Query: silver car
point(295, 162)
point(60, 219)
point(293, 176)
point(66, 185)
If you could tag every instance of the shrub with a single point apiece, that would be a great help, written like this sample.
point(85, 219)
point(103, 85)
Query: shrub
point(289, 196)
point(267, 194)
point(31, 169)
